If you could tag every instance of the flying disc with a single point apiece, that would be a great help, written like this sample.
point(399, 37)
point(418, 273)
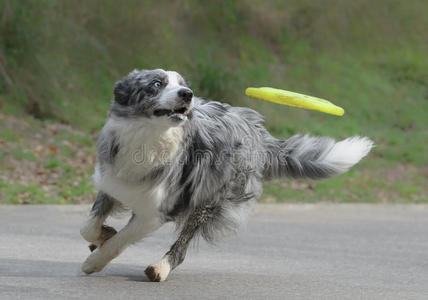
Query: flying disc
point(294, 99)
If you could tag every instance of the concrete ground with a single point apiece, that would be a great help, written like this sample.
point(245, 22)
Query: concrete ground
point(321, 251)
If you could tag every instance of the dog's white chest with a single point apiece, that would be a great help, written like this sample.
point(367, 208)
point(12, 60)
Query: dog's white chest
point(143, 148)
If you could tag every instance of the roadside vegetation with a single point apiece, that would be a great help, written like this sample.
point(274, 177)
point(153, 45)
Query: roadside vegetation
point(60, 59)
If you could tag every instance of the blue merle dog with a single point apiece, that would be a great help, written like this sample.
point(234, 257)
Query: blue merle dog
point(169, 156)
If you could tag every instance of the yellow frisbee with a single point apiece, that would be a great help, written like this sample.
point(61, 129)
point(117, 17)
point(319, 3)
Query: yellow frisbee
point(294, 99)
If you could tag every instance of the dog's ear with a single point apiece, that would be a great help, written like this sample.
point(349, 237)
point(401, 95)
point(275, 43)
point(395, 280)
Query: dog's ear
point(122, 92)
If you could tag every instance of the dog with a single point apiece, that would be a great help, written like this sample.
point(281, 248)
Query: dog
point(169, 156)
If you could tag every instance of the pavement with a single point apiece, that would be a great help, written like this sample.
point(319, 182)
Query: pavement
point(319, 251)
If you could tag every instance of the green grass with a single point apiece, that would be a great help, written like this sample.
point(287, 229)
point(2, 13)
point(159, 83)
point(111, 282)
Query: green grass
point(23, 154)
point(59, 61)
point(49, 163)
point(52, 163)
point(27, 194)
point(8, 135)
point(365, 184)
point(63, 160)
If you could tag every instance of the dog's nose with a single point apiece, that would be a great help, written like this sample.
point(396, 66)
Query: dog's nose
point(185, 94)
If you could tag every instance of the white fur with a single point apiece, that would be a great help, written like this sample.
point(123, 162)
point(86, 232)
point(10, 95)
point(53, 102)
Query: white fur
point(169, 94)
point(144, 147)
point(91, 229)
point(153, 146)
point(162, 268)
point(135, 230)
point(348, 152)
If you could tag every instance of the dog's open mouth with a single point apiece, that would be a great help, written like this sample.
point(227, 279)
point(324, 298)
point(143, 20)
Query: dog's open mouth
point(179, 114)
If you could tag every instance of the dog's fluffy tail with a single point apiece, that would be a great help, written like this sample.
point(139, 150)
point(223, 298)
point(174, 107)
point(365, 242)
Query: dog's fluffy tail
point(313, 157)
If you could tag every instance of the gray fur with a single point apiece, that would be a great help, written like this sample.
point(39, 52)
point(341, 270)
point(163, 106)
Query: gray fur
point(104, 205)
point(217, 173)
point(299, 157)
point(136, 95)
point(108, 146)
point(196, 221)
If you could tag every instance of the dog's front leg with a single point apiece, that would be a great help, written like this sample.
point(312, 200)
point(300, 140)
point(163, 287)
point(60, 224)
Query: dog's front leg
point(94, 230)
point(136, 229)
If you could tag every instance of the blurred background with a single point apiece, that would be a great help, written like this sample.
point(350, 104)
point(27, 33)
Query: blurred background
point(60, 59)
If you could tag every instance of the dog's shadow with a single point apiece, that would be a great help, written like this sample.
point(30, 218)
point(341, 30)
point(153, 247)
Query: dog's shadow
point(44, 268)
point(130, 272)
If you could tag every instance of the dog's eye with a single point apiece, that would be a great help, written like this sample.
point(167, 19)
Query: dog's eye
point(157, 84)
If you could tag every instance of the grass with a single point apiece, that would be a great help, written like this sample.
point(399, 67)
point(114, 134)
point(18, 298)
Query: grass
point(27, 194)
point(52, 163)
point(19, 154)
point(59, 61)
point(399, 185)
point(47, 162)
point(8, 135)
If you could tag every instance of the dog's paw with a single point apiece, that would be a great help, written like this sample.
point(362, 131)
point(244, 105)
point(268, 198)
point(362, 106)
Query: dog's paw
point(158, 272)
point(94, 263)
point(107, 232)
point(90, 231)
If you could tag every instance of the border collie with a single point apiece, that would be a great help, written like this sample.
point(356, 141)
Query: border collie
point(169, 156)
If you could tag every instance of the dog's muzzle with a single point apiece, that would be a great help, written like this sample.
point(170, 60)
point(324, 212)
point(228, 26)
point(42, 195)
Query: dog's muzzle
point(181, 110)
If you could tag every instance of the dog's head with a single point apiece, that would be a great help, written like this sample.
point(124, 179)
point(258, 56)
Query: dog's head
point(155, 94)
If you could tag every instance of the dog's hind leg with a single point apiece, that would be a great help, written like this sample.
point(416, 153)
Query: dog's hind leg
point(175, 256)
point(94, 230)
point(137, 228)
